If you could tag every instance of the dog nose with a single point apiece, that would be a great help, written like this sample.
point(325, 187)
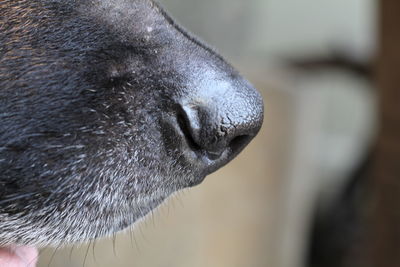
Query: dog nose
point(223, 118)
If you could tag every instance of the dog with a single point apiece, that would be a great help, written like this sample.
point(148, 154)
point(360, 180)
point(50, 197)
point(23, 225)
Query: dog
point(106, 109)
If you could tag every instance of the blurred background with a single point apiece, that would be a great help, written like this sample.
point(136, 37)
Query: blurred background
point(310, 59)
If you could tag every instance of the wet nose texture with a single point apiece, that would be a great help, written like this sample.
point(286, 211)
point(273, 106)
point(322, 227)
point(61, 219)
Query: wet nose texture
point(223, 122)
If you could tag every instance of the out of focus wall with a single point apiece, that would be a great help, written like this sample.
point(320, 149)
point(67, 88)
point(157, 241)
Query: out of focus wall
point(270, 29)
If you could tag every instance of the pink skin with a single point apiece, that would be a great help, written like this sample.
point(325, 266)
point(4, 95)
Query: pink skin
point(18, 257)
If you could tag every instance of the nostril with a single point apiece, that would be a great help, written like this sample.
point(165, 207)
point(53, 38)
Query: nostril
point(202, 131)
point(184, 125)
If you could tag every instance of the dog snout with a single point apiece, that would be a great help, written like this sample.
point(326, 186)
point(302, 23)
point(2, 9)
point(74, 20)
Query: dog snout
point(222, 117)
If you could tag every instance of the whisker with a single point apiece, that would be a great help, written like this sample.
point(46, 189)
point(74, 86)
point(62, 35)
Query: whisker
point(37, 257)
point(52, 256)
point(93, 252)
point(114, 241)
point(70, 253)
point(130, 236)
point(152, 219)
point(134, 238)
point(87, 252)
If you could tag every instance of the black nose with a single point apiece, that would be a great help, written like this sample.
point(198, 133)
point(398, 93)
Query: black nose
point(220, 122)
